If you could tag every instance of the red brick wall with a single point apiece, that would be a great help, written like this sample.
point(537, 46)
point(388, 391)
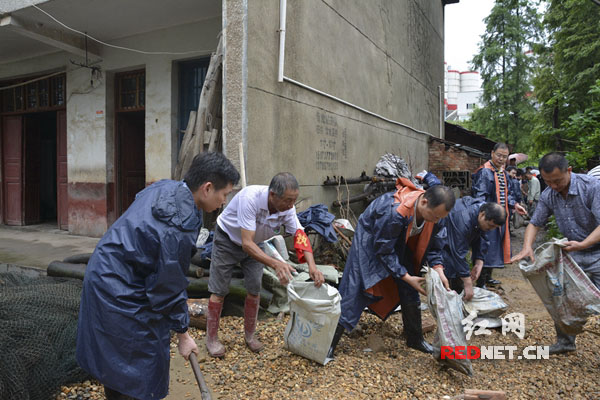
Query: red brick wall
point(451, 159)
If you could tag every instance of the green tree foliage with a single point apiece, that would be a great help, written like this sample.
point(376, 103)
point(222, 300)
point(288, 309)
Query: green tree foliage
point(585, 126)
point(566, 84)
point(506, 63)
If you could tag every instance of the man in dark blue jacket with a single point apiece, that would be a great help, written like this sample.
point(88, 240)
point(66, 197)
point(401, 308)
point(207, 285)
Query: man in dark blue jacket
point(466, 227)
point(395, 235)
point(491, 183)
point(134, 286)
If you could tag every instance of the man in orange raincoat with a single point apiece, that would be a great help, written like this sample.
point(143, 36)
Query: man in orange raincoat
point(394, 236)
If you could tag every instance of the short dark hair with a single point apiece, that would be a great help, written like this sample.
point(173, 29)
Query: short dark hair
point(510, 168)
point(553, 160)
point(498, 146)
point(281, 182)
point(439, 194)
point(493, 212)
point(211, 167)
point(520, 172)
point(527, 169)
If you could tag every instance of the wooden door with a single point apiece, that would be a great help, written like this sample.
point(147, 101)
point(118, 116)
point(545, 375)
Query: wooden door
point(131, 151)
point(62, 192)
point(12, 167)
point(32, 170)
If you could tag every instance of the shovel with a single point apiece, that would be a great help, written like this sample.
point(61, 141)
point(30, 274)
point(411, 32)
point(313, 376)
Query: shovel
point(204, 392)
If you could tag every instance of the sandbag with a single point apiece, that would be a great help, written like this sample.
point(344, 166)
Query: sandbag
point(485, 303)
point(566, 291)
point(314, 314)
point(446, 307)
point(275, 247)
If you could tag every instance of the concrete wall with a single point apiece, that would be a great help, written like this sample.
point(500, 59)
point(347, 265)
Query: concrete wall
point(90, 114)
point(383, 55)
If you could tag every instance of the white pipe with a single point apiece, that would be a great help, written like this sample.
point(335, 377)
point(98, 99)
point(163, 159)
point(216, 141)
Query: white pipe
point(391, 121)
point(242, 166)
point(281, 77)
point(282, 16)
point(441, 102)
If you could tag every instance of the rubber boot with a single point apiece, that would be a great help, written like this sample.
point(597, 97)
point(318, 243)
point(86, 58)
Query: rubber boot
point(485, 275)
point(339, 331)
point(250, 317)
point(413, 328)
point(490, 281)
point(564, 343)
point(214, 347)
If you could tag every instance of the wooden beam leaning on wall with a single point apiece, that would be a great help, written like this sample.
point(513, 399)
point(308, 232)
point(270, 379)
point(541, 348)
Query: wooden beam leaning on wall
point(205, 119)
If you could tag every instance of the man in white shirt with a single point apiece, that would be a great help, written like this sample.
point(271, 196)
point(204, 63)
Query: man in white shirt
point(533, 194)
point(255, 214)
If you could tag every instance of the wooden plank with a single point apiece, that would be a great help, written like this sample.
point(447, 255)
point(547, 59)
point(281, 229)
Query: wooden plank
point(207, 137)
point(214, 137)
point(209, 91)
point(210, 99)
point(185, 144)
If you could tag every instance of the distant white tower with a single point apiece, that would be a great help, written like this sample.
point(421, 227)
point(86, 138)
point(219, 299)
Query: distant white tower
point(462, 94)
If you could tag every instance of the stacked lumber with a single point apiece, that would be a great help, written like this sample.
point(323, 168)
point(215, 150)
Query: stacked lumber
point(203, 132)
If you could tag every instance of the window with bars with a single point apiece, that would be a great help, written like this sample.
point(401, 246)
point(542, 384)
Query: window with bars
point(41, 95)
point(131, 91)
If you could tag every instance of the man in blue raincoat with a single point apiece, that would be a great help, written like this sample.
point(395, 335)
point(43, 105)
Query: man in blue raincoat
point(134, 286)
point(491, 183)
point(394, 236)
point(466, 227)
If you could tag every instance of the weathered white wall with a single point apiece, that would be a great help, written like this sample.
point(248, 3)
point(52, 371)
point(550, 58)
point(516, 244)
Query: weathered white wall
point(90, 112)
point(87, 132)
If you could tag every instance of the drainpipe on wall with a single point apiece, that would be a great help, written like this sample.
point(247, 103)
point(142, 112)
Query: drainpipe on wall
point(282, 14)
point(441, 103)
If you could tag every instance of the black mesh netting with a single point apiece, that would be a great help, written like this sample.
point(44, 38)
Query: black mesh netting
point(38, 325)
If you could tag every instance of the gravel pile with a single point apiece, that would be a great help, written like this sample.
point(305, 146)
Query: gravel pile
point(397, 372)
point(394, 373)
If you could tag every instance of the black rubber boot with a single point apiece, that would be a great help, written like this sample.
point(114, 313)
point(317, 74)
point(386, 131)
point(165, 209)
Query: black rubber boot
point(491, 281)
point(413, 328)
point(486, 274)
point(339, 331)
point(564, 343)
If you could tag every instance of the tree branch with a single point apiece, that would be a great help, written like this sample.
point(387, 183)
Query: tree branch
point(596, 2)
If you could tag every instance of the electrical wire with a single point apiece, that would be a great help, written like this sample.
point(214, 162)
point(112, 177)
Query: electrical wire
point(120, 47)
point(32, 80)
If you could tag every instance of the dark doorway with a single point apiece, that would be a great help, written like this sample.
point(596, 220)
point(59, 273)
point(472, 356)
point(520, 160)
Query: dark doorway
point(131, 163)
point(39, 177)
point(47, 127)
point(33, 137)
